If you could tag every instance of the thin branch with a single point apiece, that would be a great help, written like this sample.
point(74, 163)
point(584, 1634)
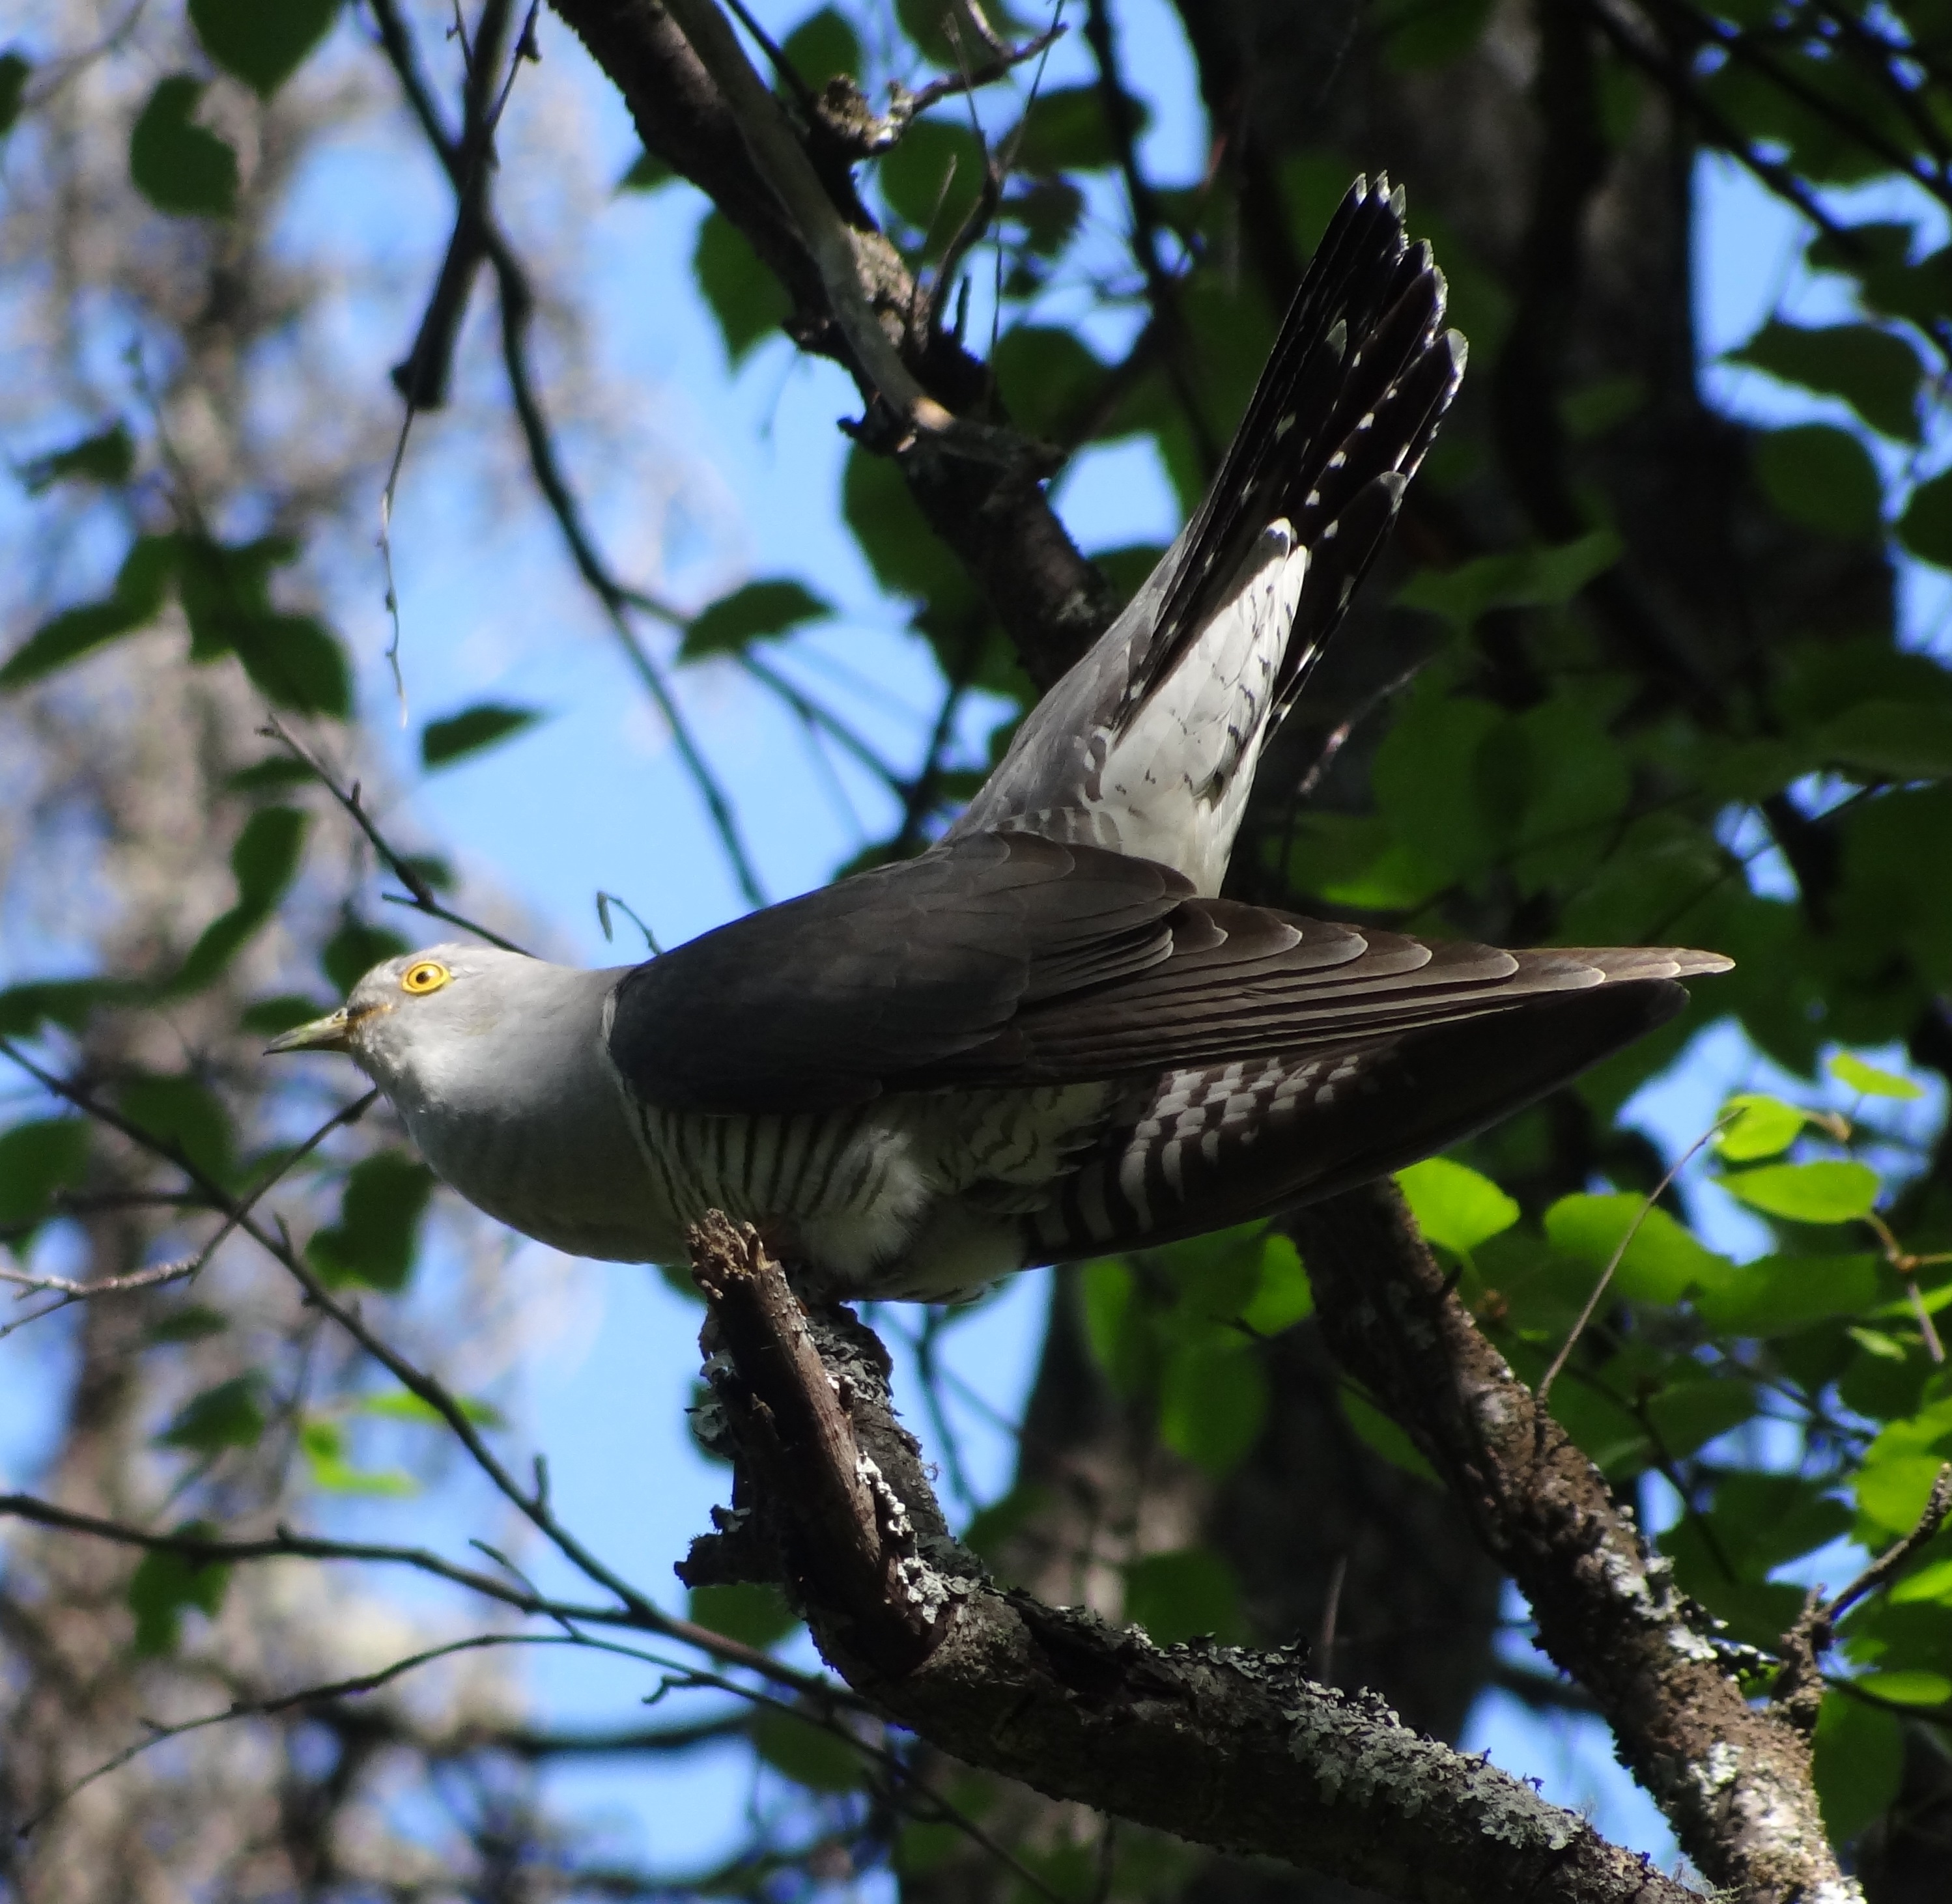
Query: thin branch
point(533, 1505)
point(1654, 1196)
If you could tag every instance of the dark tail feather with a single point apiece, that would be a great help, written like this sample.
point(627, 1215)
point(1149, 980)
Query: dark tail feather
point(1357, 381)
point(1187, 1161)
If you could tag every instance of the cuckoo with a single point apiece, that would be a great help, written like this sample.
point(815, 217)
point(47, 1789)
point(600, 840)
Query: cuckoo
point(1047, 1036)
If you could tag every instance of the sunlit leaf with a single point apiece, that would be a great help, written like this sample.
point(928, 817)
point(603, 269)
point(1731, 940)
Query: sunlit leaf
point(322, 1442)
point(1828, 1191)
point(1213, 1402)
point(1454, 1205)
point(1859, 1760)
point(1766, 1128)
point(1661, 1264)
point(1908, 1687)
point(1869, 1080)
point(1284, 1295)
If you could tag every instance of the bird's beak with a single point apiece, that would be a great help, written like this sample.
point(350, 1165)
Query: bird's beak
point(330, 1033)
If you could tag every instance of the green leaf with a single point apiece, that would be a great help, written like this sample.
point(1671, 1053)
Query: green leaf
point(1663, 1262)
point(1525, 578)
point(1284, 1295)
point(65, 1001)
point(1455, 1206)
point(1176, 1596)
point(1826, 1192)
point(1925, 527)
point(1908, 1687)
point(1766, 1128)
point(1375, 1428)
point(372, 1241)
point(1899, 740)
point(178, 166)
point(456, 736)
point(182, 1111)
point(1213, 1402)
point(647, 173)
point(758, 611)
point(14, 75)
point(807, 1753)
point(192, 1323)
point(745, 297)
point(1774, 1294)
point(295, 661)
point(265, 860)
point(263, 44)
point(36, 1160)
point(824, 45)
point(1869, 1080)
point(1876, 371)
point(907, 556)
point(107, 458)
point(322, 1442)
point(1859, 1761)
point(403, 1405)
point(1821, 477)
point(1048, 379)
point(753, 1614)
point(1064, 131)
point(1421, 33)
point(164, 1585)
point(1931, 1584)
point(266, 1017)
point(933, 177)
point(135, 601)
point(355, 949)
point(226, 1416)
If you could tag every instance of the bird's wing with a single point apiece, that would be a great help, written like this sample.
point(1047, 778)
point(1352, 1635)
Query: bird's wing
point(1007, 960)
point(821, 1002)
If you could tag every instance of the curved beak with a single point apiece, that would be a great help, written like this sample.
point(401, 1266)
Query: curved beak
point(328, 1033)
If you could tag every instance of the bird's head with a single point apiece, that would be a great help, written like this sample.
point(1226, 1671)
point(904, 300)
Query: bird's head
point(409, 1009)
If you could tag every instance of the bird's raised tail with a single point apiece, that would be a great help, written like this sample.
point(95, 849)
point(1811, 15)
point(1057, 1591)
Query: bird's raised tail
point(1148, 745)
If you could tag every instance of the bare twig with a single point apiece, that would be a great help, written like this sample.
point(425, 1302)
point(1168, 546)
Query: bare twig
point(1633, 1230)
point(1798, 1692)
point(421, 896)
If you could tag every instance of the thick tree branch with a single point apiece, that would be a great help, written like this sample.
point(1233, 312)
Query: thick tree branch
point(700, 106)
point(1228, 1748)
point(1735, 1781)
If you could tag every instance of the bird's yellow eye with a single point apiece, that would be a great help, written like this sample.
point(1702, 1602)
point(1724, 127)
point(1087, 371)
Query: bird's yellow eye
point(424, 975)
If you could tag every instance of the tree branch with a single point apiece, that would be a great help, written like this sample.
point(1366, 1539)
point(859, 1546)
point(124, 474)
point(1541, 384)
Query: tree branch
point(1735, 1781)
point(702, 109)
point(1226, 1747)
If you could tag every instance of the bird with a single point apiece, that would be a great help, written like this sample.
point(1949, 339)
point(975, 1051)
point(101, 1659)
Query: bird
point(1047, 1036)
